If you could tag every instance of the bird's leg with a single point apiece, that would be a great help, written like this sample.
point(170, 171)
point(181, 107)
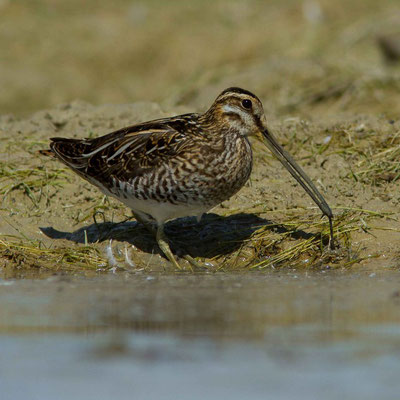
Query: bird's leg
point(143, 220)
point(162, 242)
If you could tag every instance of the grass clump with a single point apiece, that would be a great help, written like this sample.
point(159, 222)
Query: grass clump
point(30, 180)
point(382, 165)
point(301, 240)
point(34, 255)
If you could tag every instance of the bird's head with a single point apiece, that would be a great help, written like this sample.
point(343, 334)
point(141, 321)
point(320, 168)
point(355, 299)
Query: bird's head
point(242, 111)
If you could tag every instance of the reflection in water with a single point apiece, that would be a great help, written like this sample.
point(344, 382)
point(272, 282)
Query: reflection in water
point(159, 366)
point(218, 305)
point(202, 336)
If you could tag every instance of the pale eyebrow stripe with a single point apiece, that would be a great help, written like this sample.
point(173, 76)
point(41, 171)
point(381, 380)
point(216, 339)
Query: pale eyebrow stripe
point(228, 108)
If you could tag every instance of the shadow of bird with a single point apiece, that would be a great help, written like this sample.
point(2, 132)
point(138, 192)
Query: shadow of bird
point(213, 236)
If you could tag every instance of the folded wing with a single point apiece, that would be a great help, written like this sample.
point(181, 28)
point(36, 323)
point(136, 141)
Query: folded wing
point(123, 154)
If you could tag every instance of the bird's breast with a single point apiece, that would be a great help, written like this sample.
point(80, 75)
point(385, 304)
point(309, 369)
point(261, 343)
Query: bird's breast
point(216, 173)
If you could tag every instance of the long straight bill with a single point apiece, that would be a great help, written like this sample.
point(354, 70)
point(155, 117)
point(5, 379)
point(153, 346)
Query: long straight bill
point(287, 160)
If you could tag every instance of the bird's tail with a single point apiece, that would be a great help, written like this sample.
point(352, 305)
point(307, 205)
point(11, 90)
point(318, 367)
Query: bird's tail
point(70, 151)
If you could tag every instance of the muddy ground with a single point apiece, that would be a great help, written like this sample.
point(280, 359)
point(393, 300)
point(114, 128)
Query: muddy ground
point(54, 220)
point(331, 99)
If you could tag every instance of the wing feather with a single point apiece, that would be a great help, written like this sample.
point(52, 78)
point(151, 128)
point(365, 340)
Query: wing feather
point(126, 153)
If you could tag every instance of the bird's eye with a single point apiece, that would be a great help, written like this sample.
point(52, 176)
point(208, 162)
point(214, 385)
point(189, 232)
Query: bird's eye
point(246, 103)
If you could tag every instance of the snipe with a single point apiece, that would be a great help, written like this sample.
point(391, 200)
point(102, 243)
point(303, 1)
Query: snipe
point(180, 166)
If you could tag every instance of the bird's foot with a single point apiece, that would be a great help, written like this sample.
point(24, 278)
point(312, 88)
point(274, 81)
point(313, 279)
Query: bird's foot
point(193, 262)
point(162, 242)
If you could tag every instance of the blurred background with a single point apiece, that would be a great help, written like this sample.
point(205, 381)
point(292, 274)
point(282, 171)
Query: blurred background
point(297, 56)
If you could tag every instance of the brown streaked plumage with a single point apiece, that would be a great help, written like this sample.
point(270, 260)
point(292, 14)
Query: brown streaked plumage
point(180, 166)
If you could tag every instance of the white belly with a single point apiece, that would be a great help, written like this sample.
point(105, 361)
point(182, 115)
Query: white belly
point(162, 212)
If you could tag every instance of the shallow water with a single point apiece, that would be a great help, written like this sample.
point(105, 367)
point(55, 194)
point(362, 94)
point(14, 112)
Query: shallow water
point(278, 335)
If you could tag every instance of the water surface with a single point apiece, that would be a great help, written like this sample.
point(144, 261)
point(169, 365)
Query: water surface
point(278, 335)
